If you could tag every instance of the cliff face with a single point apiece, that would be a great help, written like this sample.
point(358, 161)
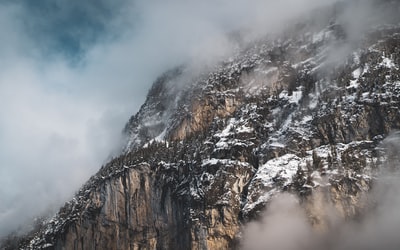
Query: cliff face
point(277, 117)
point(134, 210)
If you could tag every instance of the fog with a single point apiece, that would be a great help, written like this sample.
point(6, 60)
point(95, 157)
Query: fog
point(356, 19)
point(72, 73)
point(286, 226)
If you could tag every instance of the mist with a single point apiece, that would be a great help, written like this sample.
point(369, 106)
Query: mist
point(357, 18)
point(73, 72)
point(285, 224)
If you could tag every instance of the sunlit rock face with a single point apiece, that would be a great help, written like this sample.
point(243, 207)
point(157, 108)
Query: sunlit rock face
point(207, 152)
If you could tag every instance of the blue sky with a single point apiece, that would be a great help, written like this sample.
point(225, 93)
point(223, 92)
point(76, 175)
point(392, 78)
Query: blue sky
point(73, 71)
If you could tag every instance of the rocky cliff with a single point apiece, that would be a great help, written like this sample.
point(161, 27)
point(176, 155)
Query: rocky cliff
point(207, 152)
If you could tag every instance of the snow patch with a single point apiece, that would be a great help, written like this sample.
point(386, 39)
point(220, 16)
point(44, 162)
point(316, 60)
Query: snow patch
point(285, 166)
point(357, 73)
point(294, 98)
point(388, 63)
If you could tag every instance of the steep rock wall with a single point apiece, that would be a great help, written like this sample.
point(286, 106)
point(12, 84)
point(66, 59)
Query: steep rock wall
point(132, 211)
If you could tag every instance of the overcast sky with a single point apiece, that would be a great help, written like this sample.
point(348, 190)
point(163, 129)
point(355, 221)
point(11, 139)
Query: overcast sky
point(73, 71)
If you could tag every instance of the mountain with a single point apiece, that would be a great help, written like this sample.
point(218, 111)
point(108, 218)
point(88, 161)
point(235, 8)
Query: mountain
point(306, 113)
